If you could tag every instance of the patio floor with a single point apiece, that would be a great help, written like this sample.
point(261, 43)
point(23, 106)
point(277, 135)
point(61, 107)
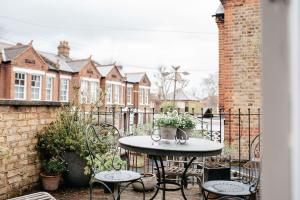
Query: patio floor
point(129, 194)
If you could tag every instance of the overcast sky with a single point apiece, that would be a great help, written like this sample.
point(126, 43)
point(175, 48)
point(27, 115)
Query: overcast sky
point(139, 34)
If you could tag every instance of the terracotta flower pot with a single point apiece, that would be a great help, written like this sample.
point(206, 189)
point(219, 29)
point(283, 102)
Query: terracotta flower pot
point(50, 183)
point(167, 132)
point(149, 181)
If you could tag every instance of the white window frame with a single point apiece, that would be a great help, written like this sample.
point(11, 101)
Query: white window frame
point(129, 95)
point(25, 86)
point(146, 96)
point(34, 87)
point(51, 89)
point(141, 96)
point(117, 94)
point(109, 92)
point(67, 91)
point(84, 91)
point(94, 91)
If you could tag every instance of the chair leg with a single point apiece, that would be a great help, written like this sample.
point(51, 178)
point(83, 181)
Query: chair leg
point(144, 195)
point(91, 190)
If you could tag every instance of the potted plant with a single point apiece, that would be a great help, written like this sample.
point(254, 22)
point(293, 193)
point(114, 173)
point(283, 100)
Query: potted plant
point(168, 123)
point(186, 125)
point(219, 167)
point(64, 138)
point(104, 162)
point(51, 173)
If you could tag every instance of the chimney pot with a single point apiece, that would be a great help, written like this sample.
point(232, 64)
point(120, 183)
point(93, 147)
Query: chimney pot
point(63, 49)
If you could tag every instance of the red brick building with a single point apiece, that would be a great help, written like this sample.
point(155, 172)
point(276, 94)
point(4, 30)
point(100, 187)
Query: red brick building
point(28, 74)
point(239, 24)
point(138, 90)
point(113, 83)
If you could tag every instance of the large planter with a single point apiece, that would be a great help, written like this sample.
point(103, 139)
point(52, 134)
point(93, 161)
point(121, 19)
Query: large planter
point(168, 133)
point(50, 183)
point(183, 134)
point(75, 170)
point(149, 181)
point(216, 173)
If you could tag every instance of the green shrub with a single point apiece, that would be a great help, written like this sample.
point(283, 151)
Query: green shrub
point(187, 121)
point(53, 167)
point(168, 119)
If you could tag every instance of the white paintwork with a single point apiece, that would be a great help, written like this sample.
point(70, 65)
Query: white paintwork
point(65, 77)
point(90, 79)
point(115, 83)
point(28, 71)
point(50, 75)
point(294, 27)
point(276, 149)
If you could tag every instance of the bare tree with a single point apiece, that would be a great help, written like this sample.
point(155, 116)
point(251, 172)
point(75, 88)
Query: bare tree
point(163, 82)
point(210, 90)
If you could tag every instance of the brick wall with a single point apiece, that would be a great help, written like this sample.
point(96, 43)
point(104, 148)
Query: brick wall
point(18, 127)
point(240, 67)
point(239, 50)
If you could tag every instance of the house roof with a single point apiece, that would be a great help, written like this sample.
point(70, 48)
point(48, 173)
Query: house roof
point(180, 95)
point(135, 77)
point(105, 69)
point(9, 53)
point(57, 60)
point(77, 65)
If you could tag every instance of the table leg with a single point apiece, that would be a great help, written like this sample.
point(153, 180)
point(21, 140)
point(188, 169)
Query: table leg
point(183, 178)
point(158, 176)
point(163, 177)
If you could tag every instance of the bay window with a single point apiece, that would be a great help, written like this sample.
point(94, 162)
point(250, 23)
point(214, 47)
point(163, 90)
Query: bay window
point(94, 91)
point(146, 96)
point(36, 87)
point(117, 93)
point(109, 92)
point(64, 89)
point(20, 86)
point(129, 95)
point(84, 88)
point(49, 88)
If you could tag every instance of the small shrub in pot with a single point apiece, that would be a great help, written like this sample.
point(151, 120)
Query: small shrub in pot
point(51, 173)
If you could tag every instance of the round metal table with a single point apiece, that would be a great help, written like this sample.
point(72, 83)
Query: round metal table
point(194, 147)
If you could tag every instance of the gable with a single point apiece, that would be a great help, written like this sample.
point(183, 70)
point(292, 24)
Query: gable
point(29, 58)
point(114, 75)
point(145, 81)
point(89, 70)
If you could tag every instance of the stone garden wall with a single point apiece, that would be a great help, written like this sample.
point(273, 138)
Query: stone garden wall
point(19, 124)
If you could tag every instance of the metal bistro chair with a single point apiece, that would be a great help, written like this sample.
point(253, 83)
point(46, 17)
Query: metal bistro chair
point(246, 188)
point(109, 135)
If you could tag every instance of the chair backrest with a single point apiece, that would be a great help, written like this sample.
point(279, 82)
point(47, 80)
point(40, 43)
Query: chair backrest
point(253, 166)
point(102, 140)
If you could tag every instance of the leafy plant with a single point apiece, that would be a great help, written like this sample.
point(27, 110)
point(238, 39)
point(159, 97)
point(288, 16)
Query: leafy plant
point(53, 167)
point(168, 119)
point(103, 162)
point(142, 129)
point(168, 107)
point(186, 121)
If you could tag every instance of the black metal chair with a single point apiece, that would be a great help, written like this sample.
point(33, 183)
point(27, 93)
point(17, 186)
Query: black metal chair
point(245, 188)
point(108, 135)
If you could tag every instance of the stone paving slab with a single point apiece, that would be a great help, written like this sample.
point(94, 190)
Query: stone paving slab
point(129, 194)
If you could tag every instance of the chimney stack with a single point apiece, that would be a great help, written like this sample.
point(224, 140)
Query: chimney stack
point(63, 49)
